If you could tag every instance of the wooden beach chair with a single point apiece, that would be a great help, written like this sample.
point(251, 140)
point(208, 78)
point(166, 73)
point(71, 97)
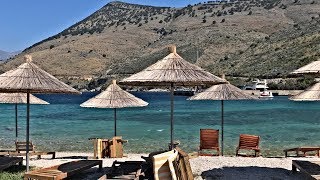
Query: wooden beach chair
point(209, 140)
point(163, 168)
point(303, 149)
point(21, 148)
point(63, 170)
point(248, 142)
point(309, 168)
point(6, 162)
point(183, 168)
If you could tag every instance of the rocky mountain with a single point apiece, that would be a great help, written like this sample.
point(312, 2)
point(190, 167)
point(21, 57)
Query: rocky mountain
point(250, 38)
point(6, 55)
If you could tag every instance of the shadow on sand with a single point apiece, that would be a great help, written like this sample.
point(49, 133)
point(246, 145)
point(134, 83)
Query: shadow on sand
point(251, 173)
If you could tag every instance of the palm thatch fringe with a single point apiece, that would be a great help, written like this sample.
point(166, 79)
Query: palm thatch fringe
point(222, 92)
point(310, 94)
point(172, 69)
point(312, 68)
point(19, 98)
point(29, 78)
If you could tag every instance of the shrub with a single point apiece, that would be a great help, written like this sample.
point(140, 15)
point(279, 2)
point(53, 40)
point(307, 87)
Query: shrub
point(223, 20)
point(51, 46)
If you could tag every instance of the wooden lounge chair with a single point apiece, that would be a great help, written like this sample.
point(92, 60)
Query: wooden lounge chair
point(6, 162)
point(209, 140)
point(163, 165)
point(21, 150)
point(248, 142)
point(310, 168)
point(63, 170)
point(303, 149)
point(183, 168)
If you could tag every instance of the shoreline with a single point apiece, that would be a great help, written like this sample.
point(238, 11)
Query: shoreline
point(208, 167)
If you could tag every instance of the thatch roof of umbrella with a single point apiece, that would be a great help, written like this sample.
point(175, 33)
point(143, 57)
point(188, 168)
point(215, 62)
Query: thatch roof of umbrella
point(29, 78)
point(310, 94)
point(19, 98)
point(172, 69)
point(312, 68)
point(222, 92)
point(114, 97)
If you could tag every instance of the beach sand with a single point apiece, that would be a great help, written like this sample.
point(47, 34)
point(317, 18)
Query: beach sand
point(224, 168)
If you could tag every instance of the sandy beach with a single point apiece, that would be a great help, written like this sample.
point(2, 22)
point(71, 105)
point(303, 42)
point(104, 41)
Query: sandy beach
point(224, 168)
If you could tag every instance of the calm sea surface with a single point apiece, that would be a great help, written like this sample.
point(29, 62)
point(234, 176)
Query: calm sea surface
point(65, 126)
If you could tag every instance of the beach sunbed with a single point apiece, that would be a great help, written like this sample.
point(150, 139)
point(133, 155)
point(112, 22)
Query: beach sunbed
point(6, 162)
point(310, 168)
point(21, 148)
point(209, 140)
point(163, 168)
point(303, 149)
point(63, 170)
point(248, 142)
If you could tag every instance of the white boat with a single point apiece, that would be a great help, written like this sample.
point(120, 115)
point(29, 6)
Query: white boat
point(261, 86)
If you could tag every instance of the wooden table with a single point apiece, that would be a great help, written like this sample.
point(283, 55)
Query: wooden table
point(303, 149)
point(310, 168)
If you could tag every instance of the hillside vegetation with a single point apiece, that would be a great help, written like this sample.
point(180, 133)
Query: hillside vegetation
point(251, 38)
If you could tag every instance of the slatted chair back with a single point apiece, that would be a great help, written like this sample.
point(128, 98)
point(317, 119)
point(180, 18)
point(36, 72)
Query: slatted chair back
point(163, 168)
point(247, 141)
point(209, 139)
point(22, 146)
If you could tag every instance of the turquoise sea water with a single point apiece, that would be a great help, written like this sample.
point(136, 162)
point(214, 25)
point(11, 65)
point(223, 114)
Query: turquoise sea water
point(65, 126)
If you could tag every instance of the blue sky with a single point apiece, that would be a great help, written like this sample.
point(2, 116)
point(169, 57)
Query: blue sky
point(25, 22)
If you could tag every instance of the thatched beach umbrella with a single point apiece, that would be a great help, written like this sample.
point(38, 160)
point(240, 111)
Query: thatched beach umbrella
point(222, 92)
point(29, 78)
point(19, 98)
point(311, 68)
point(310, 94)
point(172, 71)
point(114, 97)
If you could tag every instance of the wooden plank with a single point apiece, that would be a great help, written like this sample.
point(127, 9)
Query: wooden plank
point(63, 170)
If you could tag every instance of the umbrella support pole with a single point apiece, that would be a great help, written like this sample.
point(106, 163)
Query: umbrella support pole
point(27, 131)
point(16, 109)
point(115, 121)
point(171, 115)
point(222, 122)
